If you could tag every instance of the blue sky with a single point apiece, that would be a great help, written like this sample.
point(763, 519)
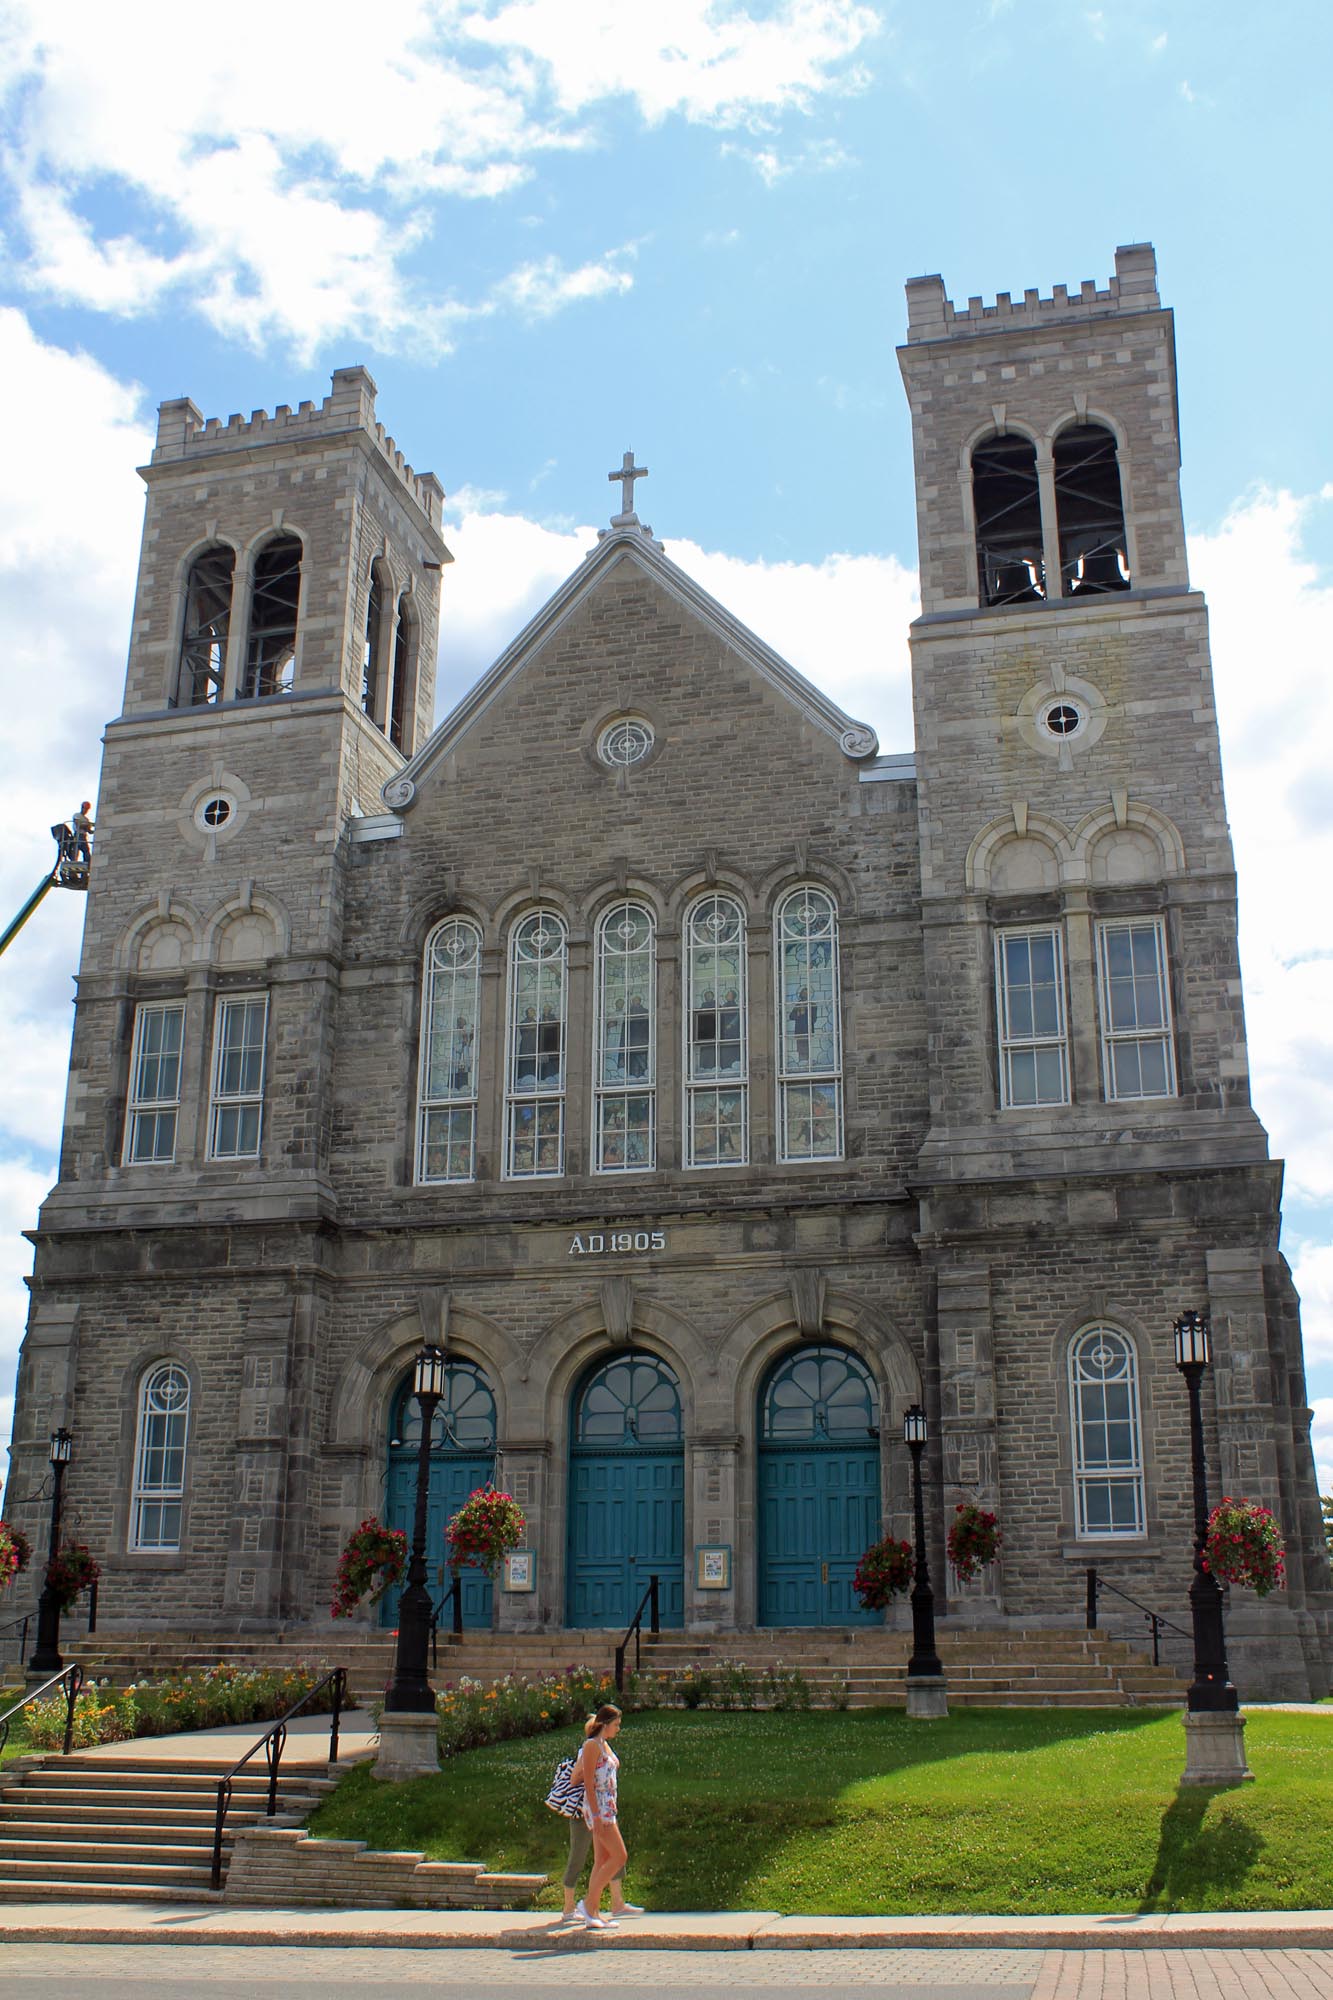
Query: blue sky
point(555, 230)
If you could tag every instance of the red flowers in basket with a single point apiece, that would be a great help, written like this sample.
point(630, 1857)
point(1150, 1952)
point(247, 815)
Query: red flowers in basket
point(974, 1540)
point(884, 1571)
point(15, 1553)
point(372, 1562)
point(71, 1571)
point(485, 1528)
point(1244, 1545)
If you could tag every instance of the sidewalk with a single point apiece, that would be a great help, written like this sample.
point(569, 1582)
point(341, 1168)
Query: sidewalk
point(732, 1930)
point(307, 1742)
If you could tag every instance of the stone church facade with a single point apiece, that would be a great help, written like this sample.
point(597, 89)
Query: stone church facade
point(710, 1085)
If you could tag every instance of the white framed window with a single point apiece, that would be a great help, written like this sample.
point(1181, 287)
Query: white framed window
point(162, 1433)
point(1030, 1010)
point(625, 1041)
point(155, 1083)
point(717, 1071)
point(809, 1027)
point(450, 1002)
point(1108, 1435)
point(236, 1109)
point(1138, 1057)
point(537, 1024)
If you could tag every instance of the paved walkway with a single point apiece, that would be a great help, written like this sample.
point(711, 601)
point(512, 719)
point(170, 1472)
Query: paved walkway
point(307, 1742)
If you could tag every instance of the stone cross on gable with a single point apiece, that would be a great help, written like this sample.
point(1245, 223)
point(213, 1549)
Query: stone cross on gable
point(627, 475)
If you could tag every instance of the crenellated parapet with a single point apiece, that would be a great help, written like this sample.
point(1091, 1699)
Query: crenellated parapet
point(931, 315)
point(184, 432)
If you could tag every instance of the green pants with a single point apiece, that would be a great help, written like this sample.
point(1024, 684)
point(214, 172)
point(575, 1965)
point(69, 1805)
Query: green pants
point(580, 1846)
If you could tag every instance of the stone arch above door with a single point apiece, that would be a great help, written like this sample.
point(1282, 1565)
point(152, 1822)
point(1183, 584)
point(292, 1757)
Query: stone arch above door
point(361, 1396)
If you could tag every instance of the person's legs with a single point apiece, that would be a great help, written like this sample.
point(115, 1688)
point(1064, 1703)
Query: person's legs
point(608, 1856)
point(580, 1841)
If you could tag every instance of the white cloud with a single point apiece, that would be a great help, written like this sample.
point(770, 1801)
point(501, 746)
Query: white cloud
point(1313, 1273)
point(1321, 1437)
point(282, 195)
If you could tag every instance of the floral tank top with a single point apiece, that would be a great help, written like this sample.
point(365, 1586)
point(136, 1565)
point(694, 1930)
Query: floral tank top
point(604, 1781)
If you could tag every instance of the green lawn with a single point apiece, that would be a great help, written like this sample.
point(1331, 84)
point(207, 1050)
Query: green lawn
point(1029, 1811)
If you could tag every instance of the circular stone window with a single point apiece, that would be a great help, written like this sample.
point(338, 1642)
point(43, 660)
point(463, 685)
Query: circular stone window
point(1062, 718)
point(215, 812)
point(624, 742)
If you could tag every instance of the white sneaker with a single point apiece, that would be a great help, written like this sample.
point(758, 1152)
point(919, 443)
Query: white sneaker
point(628, 1910)
point(601, 1924)
point(581, 1909)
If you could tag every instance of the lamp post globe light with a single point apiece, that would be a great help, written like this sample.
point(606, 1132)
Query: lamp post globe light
point(927, 1694)
point(408, 1746)
point(45, 1658)
point(1214, 1726)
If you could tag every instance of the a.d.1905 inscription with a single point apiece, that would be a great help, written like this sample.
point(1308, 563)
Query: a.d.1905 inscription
point(617, 1242)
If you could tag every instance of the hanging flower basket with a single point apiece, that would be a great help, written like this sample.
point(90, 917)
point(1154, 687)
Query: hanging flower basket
point(1244, 1546)
point(72, 1571)
point(485, 1528)
point(15, 1554)
point(974, 1540)
point(883, 1573)
point(372, 1562)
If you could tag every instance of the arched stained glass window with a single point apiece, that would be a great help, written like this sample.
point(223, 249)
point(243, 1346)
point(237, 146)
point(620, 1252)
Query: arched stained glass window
point(1108, 1442)
point(717, 1123)
point(451, 998)
point(634, 1399)
point(203, 656)
point(270, 654)
point(820, 1395)
point(464, 1417)
point(626, 1040)
point(158, 1496)
point(809, 1030)
point(535, 1096)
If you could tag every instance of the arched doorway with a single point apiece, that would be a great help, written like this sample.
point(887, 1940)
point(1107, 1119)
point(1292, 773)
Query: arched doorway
point(819, 1486)
point(462, 1457)
point(626, 1492)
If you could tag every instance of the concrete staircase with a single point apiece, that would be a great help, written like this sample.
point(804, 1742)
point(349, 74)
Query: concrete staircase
point(101, 1828)
point(991, 1666)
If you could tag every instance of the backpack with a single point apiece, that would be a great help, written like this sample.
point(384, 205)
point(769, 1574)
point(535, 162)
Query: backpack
point(566, 1794)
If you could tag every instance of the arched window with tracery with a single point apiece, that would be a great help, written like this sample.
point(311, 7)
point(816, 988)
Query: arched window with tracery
point(809, 1027)
point(275, 597)
point(1006, 506)
point(535, 1090)
point(450, 1004)
point(625, 1040)
point(1107, 1433)
point(717, 1122)
point(157, 1498)
point(203, 654)
point(1089, 510)
point(403, 694)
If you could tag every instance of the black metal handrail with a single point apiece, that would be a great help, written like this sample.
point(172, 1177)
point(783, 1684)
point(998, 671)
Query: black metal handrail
point(634, 1631)
point(71, 1679)
point(272, 1743)
point(453, 1596)
point(1154, 1619)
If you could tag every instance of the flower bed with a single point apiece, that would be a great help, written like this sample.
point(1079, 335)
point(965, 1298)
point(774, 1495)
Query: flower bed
point(206, 1699)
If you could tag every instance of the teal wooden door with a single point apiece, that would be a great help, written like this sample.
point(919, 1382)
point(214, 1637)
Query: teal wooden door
point(462, 1457)
point(819, 1487)
point(626, 1494)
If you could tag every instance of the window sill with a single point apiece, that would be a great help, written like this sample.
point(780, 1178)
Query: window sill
point(1142, 1547)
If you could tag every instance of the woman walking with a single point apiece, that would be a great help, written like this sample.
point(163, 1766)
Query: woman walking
point(597, 1770)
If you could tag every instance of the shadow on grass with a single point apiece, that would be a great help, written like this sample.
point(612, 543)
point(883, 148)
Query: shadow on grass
point(1199, 1865)
point(711, 1799)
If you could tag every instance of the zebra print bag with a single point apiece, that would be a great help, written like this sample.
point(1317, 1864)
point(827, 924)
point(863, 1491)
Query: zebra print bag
point(566, 1794)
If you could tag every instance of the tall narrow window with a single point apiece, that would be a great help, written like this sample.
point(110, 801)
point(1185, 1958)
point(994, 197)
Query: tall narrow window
point(1137, 1055)
point(236, 1113)
point(626, 1041)
point(535, 1099)
point(1030, 1004)
point(270, 654)
point(204, 635)
point(155, 1083)
point(450, 1003)
point(1090, 512)
point(716, 1056)
point(809, 1028)
point(1108, 1446)
point(158, 1495)
point(373, 644)
point(1006, 502)
point(403, 697)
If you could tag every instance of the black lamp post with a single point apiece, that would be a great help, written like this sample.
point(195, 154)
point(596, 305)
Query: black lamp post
point(45, 1658)
point(925, 1661)
point(410, 1690)
point(1211, 1690)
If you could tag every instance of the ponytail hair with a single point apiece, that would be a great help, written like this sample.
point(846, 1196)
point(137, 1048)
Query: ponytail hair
point(608, 1712)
